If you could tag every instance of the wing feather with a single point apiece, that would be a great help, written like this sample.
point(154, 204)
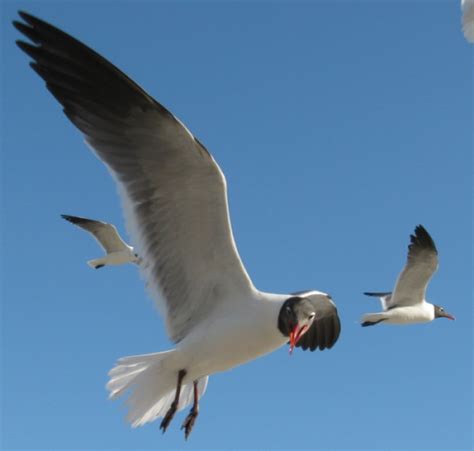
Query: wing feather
point(422, 263)
point(173, 192)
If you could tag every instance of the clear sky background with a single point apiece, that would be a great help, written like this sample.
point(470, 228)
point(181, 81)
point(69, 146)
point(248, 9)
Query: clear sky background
point(340, 126)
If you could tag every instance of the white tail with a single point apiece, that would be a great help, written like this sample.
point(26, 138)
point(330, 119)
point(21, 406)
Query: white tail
point(152, 386)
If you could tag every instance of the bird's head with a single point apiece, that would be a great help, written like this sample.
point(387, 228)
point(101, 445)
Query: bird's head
point(295, 318)
point(441, 313)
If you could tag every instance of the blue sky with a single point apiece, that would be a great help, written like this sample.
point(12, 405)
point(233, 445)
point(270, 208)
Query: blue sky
point(339, 126)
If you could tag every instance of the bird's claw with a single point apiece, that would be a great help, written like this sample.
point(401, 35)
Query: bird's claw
point(189, 422)
point(168, 417)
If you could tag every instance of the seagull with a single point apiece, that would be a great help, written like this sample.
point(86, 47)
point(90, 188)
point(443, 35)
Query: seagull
point(467, 7)
point(175, 202)
point(117, 250)
point(407, 303)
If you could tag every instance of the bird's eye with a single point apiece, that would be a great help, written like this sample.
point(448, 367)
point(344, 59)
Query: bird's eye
point(311, 317)
point(441, 309)
point(288, 309)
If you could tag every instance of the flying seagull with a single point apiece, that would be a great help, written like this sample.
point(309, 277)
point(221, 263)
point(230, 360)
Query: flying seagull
point(467, 7)
point(407, 303)
point(175, 201)
point(117, 250)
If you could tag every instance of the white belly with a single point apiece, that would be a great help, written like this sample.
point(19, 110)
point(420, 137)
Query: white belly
point(231, 341)
point(409, 315)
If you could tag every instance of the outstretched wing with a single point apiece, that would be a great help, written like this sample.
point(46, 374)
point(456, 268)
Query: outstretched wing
point(422, 263)
point(106, 234)
point(173, 192)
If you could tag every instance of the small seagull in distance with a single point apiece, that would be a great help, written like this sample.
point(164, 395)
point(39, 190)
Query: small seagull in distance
point(117, 250)
point(407, 303)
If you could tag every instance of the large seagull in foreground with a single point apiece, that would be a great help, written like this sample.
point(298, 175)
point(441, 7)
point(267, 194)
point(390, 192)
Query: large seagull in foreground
point(407, 303)
point(175, 202)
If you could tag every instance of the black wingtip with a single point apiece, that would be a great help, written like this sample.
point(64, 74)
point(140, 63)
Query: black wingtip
point(68, 218)
point(26, 28)
point(19, 25)
point(25, 46)
point(23, 14)
point(74, 219)
point(79, 221)
point(420, 230)
point(28, 18)
point(422, 239)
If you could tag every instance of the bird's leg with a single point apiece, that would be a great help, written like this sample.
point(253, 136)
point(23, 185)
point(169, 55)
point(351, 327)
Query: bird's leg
point(174, 405)
point(193, 413)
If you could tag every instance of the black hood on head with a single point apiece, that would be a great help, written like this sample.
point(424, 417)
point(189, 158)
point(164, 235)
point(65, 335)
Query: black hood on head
point(287, 318)
point(326, 326)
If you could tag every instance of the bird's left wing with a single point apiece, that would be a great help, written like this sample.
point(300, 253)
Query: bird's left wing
point(173, 192)
point(105, 234)
point(326, 326)
point(422, 263)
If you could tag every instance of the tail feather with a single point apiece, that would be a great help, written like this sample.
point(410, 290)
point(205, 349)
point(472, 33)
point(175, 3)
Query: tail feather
point(378, 294)
point(152, 386)
point(122, 377)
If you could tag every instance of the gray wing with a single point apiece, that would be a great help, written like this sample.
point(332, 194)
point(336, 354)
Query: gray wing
point(422, 263)
point(326, 326)
point(106, 234)
point(173, 192)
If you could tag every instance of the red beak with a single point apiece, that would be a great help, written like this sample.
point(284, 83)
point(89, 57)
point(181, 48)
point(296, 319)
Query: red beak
point(295, 336)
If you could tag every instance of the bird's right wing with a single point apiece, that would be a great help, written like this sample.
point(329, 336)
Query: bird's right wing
point(106, 234)
point(422, 262)
point(173, 192)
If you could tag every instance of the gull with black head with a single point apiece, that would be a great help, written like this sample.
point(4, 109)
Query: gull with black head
point(118, 252)
point(407, 303)
point(175, 201)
